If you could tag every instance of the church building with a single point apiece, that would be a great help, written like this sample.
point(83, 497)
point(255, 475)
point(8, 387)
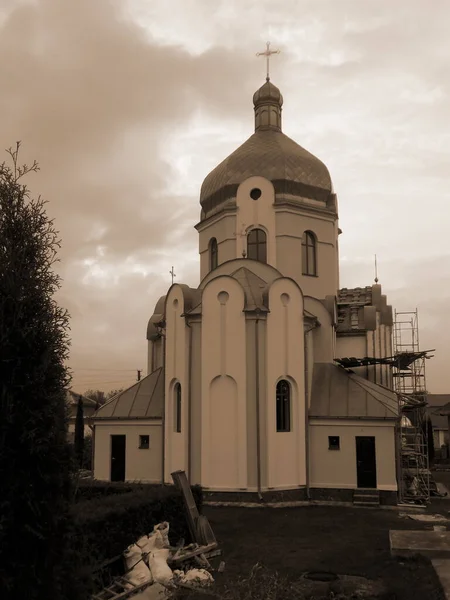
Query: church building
point(243, 391)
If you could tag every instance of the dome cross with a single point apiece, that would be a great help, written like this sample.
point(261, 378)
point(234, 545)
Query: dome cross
point(268, 53)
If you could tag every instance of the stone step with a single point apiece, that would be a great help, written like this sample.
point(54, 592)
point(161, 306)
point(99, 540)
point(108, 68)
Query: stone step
point(366, 498)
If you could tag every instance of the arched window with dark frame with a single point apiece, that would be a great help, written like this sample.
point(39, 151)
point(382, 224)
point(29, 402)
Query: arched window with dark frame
point(177, 408)
point(257, 245)
point(213, 254)
point(283, 401)
point(309, 254)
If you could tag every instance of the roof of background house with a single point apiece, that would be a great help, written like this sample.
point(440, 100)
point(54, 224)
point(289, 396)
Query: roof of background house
point(145, 399)
point(72, 398)
point(347, 299)
point(337, 393)
point(445, 410)
point(438, 404)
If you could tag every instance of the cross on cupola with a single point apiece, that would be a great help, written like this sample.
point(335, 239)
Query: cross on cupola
point(268, 53)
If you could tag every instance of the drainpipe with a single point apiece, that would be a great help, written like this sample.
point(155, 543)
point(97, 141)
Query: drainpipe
point(163, 342)
point(189, 405)
point(258, 433)
point(305, 335)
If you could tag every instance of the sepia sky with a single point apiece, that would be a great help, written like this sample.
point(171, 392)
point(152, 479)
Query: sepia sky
point(127, 105)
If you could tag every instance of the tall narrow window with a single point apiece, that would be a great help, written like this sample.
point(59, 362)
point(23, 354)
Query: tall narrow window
point(213, 254)
point(283, 406)
point(309, 254)
point(257, 245)
point(177, 408)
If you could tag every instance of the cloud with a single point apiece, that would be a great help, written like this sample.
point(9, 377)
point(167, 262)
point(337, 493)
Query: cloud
point(128, 105)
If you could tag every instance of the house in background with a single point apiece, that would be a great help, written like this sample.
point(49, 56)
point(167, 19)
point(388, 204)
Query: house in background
point(89, 408)
point(128, 433)
point(438, 410)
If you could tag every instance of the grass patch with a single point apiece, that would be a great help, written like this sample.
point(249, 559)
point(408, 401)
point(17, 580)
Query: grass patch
point(286, 543)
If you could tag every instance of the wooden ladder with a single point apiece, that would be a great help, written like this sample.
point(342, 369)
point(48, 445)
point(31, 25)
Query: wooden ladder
point(117, 591)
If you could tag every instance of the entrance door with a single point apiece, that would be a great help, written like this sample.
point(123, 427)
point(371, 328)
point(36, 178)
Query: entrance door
point(117, 458)
point(366, 466)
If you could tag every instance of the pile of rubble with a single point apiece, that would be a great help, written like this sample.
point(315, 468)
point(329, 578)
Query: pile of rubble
point(154, 569)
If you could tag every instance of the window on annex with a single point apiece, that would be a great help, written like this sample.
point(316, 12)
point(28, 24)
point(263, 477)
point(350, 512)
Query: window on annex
point(144, 442)
point(283, 406)
point(309, 254)
point(177, 408)
point(334, 442)
point(257, 245)
point(213, 254)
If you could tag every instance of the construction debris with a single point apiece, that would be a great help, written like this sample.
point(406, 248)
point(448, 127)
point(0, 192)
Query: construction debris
point(148, 561)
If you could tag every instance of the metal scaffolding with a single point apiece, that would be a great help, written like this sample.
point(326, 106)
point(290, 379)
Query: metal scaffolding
point(410, 385)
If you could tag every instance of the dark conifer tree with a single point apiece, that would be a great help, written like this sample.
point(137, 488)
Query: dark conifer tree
point(35, 465)
point(79, 434)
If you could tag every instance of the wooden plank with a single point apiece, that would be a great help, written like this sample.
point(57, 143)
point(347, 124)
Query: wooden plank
point(195, 552)
point(181, 482)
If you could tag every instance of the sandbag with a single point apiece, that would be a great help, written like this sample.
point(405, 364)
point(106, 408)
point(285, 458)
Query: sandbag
point(160, 535)
point(199, 577)
point(146, 545)
point(138, 572)
point(157, 561)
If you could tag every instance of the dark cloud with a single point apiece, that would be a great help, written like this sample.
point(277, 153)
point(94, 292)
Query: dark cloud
point(111, 97)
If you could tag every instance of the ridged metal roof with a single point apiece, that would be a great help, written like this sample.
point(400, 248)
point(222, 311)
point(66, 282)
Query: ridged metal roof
point(336, 393)
point(270, 154)
point(145, 399)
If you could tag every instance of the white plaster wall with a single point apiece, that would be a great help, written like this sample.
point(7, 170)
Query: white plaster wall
point(285, 360)
point(223, 228)
point(324, 334)
point(337, 468)
point(176, 370)
point(223, 386)
point(256, 214)
point(291, 223)
point(140, 465)
point(349, 346)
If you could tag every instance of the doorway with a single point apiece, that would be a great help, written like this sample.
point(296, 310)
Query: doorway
point(118, 457)
point(366, 465)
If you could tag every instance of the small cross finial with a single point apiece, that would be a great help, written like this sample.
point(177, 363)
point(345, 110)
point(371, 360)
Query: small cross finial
point(172, 272)
point(268, 53)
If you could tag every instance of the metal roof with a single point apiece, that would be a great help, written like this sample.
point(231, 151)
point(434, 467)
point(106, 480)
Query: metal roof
point(145, 399)
point(336, 393)
point(72, 399)
point(273, 155)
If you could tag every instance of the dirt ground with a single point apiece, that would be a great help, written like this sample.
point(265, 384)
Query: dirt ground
point(346, 541)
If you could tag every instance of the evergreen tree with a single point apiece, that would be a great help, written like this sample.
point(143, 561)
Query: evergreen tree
point(35, 460)
point(79, 434)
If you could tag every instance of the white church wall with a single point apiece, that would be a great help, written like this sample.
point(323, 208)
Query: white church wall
point(291, 223)
point(176, 371)
point(140, 464)
point(337, 468)
point(324, 334)
point(285, 451)
point(196, 402)
point(351, 346)
point(223, 228)
point(256, 214)
point(223, 386)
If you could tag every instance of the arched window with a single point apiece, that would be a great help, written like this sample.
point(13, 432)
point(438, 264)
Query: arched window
point(309, 254)
point(213, 254)
point(177, 408)
point(257, 245)
point(283, 406)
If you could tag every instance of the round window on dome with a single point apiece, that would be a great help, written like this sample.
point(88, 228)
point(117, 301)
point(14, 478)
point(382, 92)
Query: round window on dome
point(255, 193)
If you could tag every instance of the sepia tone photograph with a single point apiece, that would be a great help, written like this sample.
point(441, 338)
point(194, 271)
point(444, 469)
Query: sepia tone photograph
point(224, 292)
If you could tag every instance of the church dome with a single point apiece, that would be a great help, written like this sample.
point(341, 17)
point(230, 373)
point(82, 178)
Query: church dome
point(267, 153)
point(267, 93)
